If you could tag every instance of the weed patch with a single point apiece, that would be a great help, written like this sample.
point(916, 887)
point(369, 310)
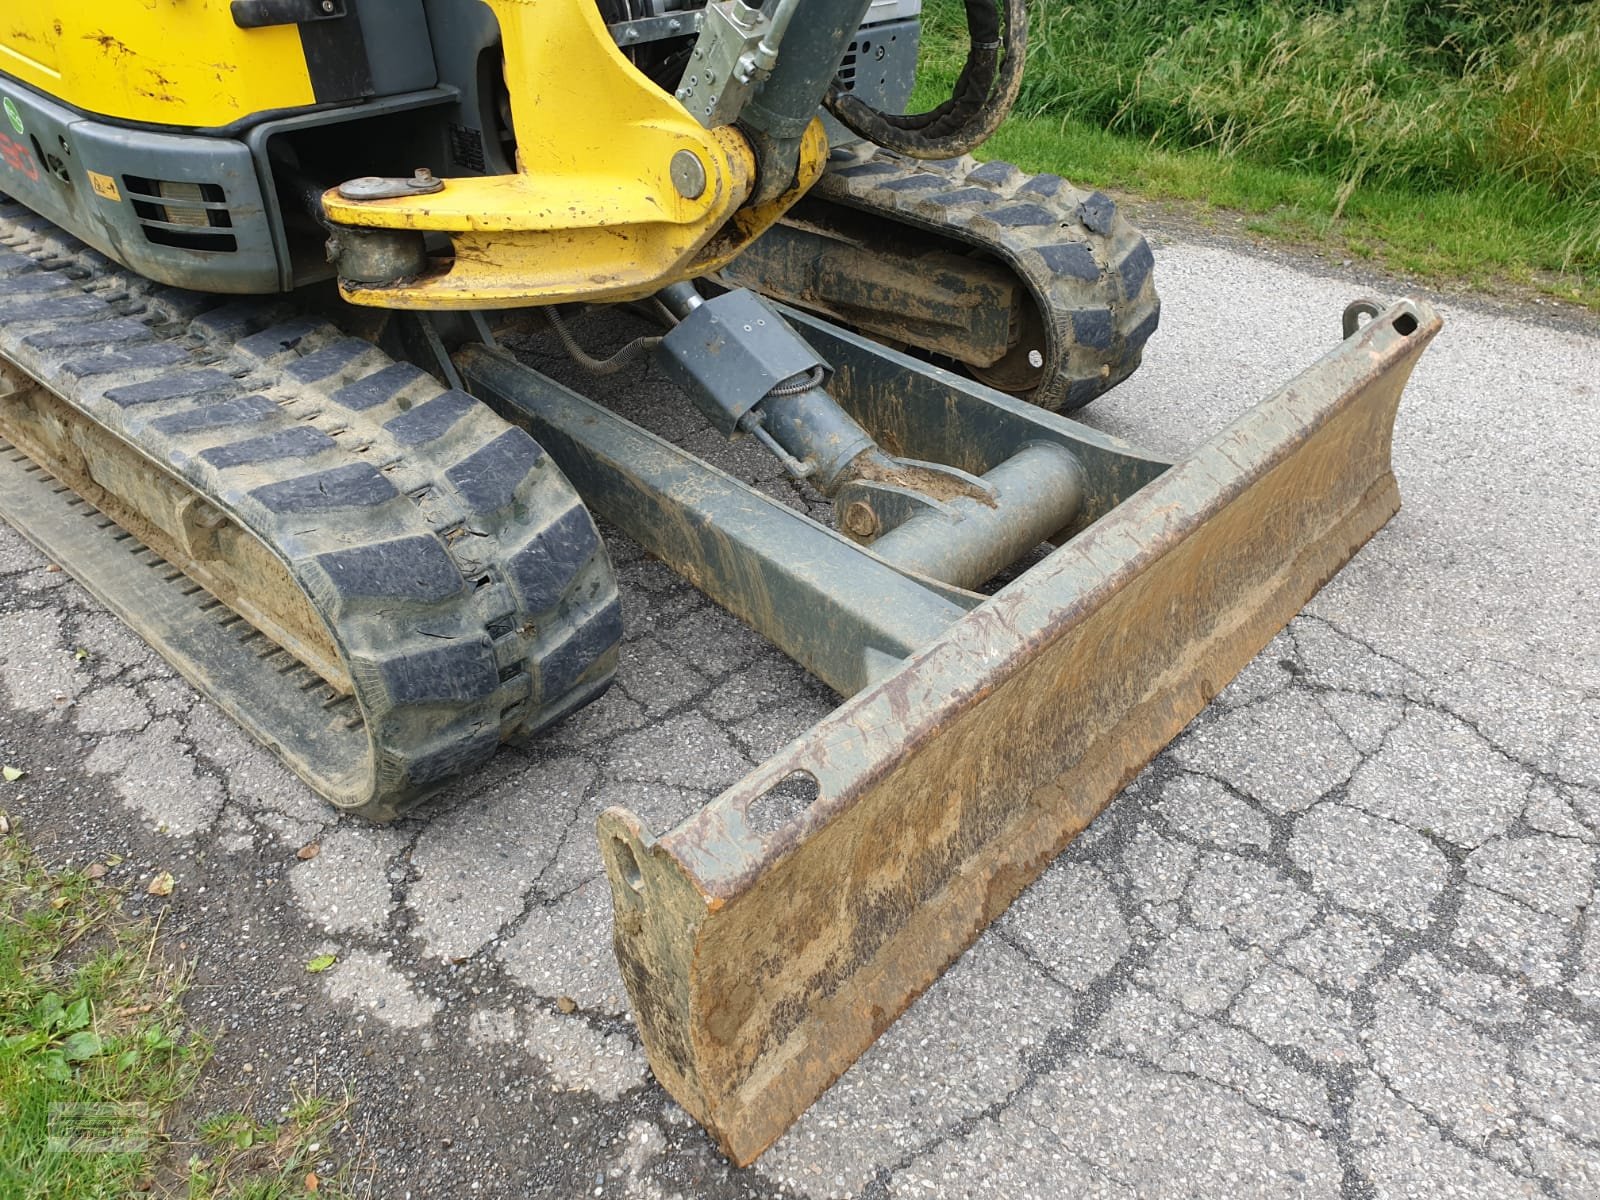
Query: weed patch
point(93, 1044)
point(95, 1049)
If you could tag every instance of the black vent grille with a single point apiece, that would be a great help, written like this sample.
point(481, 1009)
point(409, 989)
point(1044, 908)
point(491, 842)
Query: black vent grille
point(847, 68)
point(188, 216)
point(867, 63)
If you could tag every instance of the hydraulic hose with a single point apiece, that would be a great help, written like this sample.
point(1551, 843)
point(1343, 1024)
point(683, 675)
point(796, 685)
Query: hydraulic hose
point(982, 97)
point(619, 361)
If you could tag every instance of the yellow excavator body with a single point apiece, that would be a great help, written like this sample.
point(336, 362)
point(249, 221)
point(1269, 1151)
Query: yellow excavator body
point(188, 65)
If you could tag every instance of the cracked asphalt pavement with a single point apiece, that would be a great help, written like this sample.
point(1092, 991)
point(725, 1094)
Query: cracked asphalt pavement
point(1336, 941)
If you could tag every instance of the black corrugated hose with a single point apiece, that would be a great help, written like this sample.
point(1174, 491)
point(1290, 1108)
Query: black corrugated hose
point(983, 95)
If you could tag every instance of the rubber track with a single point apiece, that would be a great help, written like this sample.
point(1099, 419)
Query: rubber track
point(1088, 269)
point(462, 579)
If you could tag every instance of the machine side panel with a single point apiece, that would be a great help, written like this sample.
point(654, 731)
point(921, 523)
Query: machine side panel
point(180, 209)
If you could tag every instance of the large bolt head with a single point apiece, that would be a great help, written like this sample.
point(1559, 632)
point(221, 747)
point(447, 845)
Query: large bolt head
point(859, 520)
point(688, 175)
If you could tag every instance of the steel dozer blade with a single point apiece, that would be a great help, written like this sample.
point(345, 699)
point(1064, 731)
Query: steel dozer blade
point(765, 947)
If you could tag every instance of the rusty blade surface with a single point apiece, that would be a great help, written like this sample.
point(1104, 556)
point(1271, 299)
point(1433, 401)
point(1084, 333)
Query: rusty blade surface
point(763, 955)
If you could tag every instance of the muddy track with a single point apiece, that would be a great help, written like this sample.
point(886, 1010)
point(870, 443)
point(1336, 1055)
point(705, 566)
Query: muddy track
point(439, 582)
point(1086, 268)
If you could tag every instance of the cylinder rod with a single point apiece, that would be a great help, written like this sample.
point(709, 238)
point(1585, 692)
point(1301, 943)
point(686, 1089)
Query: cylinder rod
point(1039, 489)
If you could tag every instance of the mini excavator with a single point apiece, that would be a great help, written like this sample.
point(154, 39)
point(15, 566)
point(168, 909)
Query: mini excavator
point(256, 262)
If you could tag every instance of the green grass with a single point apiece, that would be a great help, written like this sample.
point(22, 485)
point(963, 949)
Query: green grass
point(93, 1045)
point(95, 1051)
point(1454, 140)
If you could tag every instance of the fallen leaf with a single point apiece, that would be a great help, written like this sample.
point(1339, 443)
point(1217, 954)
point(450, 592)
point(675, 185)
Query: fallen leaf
point(51, 569)
point(60, 902)
point(161, 885)
point(312, 1182)
point(95, 871)
point(12, 774)
point(80, 654)
point(321, 963)
point(113, 859)
point(5, 824)
point(567, 1004)
point(307, 852)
